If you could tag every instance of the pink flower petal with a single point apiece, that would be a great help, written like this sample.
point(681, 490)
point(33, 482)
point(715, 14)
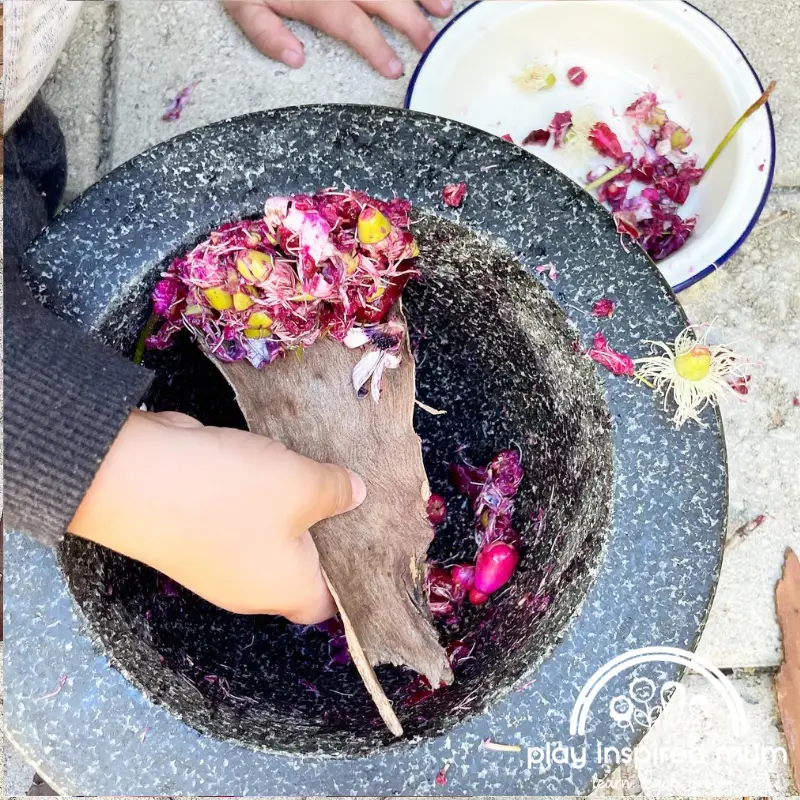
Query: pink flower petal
point(559, 127)
point(576, 75)
point(605, 141)
point(537, 136)
point(454, 193)
point(604, 307)
point(601, 353)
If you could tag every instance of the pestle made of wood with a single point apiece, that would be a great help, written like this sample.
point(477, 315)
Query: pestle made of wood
point(373, 557)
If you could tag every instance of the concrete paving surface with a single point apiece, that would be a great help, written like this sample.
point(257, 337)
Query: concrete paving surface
point(127, 59)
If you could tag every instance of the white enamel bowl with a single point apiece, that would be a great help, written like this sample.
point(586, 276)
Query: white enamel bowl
point(702, 78)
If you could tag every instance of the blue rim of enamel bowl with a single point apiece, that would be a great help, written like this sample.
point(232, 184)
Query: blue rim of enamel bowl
point(772, 147)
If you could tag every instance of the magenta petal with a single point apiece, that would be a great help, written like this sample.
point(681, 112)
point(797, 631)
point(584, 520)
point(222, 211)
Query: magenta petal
point(626, 223)
point(605, 141)
point(559, 126)
point(454, 193)
point(537, 136)
point(576, 75)
point(601, 353)
point(604, 307)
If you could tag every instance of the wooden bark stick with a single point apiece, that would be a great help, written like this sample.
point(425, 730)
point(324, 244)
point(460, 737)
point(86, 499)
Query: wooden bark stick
point(787, 682)
point(374, 556)
point(382, 702)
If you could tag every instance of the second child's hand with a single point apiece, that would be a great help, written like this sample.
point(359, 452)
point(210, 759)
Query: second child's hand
point(347, 20)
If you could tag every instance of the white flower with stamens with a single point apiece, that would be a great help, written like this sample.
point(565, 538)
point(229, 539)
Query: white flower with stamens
point(693, 371)
point(385, 342)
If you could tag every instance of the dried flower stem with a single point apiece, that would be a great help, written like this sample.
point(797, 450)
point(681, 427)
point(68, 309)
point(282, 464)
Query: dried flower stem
point(149, 326)
point(488, 744)
point(430, 409)
point(610, 175)
point(61, 683)
point(738, 124)
point(781, 215)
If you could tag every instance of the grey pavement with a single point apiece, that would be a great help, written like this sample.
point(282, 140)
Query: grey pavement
point(126, 60)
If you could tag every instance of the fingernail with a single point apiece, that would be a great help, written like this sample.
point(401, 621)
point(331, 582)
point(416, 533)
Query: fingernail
point(292, 58)
point(446, 6)
point(431, 35)
point(394, 69)
point(359, 490)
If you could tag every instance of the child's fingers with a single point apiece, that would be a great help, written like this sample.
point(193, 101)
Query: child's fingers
point(439, 8)
point(314, 602)
point(406, 17)
point(345, 21)
point(267, 32)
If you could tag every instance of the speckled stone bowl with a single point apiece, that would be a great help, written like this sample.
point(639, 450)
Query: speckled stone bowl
point(172, 696)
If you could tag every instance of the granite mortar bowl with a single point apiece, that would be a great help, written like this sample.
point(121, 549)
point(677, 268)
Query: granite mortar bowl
point(499, 347)
point(265, 682)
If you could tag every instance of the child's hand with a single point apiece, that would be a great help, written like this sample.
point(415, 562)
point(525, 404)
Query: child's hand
point(221, 511)
point(348, 20)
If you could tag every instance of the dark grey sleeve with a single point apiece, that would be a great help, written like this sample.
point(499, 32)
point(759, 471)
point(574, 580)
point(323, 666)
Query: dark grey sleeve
point(66, 397)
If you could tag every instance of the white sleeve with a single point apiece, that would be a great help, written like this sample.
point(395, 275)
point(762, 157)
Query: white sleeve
point(34, 34)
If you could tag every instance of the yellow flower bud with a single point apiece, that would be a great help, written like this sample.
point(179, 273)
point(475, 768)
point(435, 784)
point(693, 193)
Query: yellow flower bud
point(376, 294)
point(680, 139)
point(373, 227)
point(218, 298)
point(694, 365)
point(259, 319)
point(242, 301)
point(254, 266)
point(350, 263)
point(256, 333)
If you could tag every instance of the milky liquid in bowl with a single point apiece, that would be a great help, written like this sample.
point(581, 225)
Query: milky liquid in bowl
point(701, 78)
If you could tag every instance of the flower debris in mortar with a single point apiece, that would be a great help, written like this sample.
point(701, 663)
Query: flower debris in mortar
point(492, 491)
point(330, 264)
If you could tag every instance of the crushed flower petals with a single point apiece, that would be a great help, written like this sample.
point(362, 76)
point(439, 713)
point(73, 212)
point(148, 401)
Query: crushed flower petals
point(603, 354)
point(605, 141)
point(576, 75)
point(506, 137)
point(537, 136)
point(658, 158)
point(441, 776)
point(740, 385)
point(604, 307)
point(454, 193)
point(691, 371)
point(550, 269)
point(179, 102)
point(492, 491)
point(437, 509)
point(535, 78)
point(331, 264)
point(560, 126)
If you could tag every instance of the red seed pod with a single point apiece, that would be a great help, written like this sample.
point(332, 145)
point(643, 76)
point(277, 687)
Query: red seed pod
point(477, 598)
point(437, 509)
point(494, 568)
